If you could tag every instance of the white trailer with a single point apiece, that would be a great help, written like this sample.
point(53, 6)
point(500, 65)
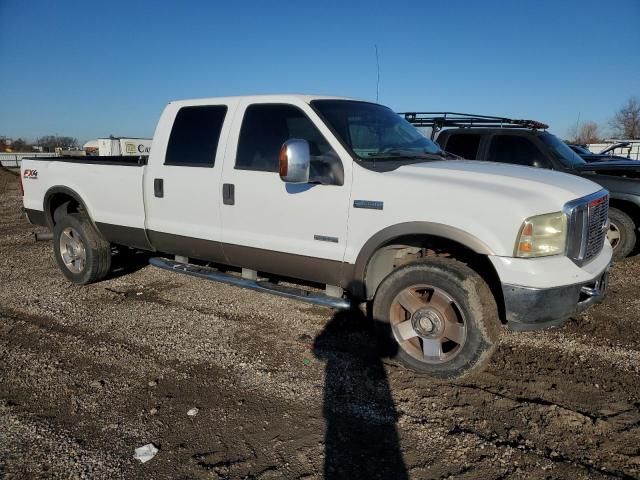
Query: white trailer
point(119, 146)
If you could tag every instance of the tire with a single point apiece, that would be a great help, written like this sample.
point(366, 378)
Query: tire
point(80, 251)
point(454, 300)
point(621, 234)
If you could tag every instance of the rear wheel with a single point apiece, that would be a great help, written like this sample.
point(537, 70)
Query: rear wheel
point(621, 234)
point(80, 251)
point(442, 316)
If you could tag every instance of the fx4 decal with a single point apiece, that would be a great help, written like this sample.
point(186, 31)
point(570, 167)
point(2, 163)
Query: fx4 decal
point(29, 173)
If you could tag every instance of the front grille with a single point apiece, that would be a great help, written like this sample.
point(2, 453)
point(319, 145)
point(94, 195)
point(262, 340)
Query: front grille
point(587, 218)
point(598, 213)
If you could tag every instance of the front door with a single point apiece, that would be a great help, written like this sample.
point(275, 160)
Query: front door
point(296, 230)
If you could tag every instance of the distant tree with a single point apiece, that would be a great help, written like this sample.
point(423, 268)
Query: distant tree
point(51, 142)
point(626, 121)
point(20, 145)
point(588, 132)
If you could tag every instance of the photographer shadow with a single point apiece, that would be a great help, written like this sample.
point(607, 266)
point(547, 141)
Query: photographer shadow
point(361, 439)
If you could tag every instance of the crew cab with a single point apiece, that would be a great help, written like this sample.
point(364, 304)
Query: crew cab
point(344, 195)
point(526, 142)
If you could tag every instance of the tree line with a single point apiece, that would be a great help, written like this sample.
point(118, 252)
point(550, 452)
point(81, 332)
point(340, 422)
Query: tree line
point(625, 124)
point(48, 143)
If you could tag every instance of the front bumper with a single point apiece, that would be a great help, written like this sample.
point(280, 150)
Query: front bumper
point(529, 308)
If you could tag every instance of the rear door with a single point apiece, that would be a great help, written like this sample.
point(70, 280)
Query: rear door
point(297, 230)
point(182, 181)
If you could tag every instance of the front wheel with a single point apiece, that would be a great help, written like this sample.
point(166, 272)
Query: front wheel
point(442, 316)
point(80, 251)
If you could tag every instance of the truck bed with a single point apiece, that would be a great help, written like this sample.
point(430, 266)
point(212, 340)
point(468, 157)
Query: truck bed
point(112, 196)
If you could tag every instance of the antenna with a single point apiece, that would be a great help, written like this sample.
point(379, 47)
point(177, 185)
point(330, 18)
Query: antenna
point(378, 78)
point(577, 128)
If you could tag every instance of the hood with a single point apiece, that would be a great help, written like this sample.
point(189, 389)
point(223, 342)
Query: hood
point(512, 179)
point(596, 157)
point(617, 168)
point(486, 200)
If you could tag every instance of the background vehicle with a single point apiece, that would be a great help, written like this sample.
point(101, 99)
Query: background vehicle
point(345, 194)
point(526, 142)
point(604, 156)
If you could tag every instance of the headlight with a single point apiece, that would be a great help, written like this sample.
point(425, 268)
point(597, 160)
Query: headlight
point(542, 235)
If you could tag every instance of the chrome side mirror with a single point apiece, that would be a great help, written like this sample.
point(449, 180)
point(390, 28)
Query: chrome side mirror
point(295, 161)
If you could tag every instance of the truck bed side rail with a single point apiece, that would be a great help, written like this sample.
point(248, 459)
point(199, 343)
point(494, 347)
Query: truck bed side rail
point(128, 161)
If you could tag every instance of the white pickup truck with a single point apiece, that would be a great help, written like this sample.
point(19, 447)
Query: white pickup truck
point(343, 195)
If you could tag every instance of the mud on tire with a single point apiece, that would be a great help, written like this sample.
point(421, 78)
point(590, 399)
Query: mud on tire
point(426, 302)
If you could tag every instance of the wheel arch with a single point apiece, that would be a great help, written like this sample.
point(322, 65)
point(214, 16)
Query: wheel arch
point(628, 204)
point(402, 243)
point(56, 197)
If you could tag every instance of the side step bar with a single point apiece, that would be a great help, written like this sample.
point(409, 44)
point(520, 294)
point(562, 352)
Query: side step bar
point(259, 285)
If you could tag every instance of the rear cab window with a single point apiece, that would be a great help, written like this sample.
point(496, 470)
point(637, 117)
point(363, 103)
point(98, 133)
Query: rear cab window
point(194, 137)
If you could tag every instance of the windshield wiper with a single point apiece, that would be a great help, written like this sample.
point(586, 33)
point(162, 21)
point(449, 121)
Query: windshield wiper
point(410, 154)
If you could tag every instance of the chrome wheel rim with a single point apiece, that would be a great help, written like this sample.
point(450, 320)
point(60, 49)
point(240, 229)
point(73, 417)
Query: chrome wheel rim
point(613, 234)
point(72, 250)
point(428, 324)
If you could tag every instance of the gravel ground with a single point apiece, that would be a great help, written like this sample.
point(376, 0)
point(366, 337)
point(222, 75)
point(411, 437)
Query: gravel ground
point(288, 390)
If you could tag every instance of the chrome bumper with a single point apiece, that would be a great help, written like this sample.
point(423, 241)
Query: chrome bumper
point(536, 308)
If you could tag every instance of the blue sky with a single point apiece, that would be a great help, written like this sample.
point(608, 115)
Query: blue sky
point(90, 69)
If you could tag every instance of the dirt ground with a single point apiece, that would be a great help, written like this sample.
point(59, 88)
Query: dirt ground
point(288, 390)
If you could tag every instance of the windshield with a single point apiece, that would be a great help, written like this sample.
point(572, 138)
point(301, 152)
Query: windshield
point(580, 150)
point(561, 151)
point(374, 132)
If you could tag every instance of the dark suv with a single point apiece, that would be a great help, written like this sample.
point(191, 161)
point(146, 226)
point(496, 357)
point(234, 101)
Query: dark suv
point(526, 142)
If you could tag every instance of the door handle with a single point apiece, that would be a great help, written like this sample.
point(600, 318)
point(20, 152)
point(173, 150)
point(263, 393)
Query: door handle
point(158, 187)
point(228, 194)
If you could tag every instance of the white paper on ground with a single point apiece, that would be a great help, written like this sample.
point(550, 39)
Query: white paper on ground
point(146, 452)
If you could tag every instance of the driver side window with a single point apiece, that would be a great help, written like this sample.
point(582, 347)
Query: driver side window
point(516, 150)
point(265, 127)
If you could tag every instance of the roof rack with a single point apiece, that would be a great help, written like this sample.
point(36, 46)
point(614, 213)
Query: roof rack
point(438, 120)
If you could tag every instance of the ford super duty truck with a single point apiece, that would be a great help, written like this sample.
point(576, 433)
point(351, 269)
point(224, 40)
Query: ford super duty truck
point(345, 196)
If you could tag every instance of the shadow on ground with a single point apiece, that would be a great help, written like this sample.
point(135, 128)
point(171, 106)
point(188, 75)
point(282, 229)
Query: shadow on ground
point(361, 439)
point(125, 261)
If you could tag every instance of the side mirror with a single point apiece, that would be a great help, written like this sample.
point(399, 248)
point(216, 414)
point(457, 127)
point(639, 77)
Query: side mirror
point(295, 161)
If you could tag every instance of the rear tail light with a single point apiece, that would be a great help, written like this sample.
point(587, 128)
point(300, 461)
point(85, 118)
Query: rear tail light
point(20, 185)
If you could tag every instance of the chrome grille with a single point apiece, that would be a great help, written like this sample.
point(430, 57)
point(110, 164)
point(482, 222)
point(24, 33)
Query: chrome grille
point(598, 213)
point(587, 218)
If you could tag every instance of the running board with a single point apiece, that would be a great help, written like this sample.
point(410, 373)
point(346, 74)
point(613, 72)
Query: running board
point(259, 285)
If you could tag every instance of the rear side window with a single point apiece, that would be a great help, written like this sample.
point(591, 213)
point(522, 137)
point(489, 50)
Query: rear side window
point(516, 150)
point(464, 145)
point(194, 137)
point(266, 127)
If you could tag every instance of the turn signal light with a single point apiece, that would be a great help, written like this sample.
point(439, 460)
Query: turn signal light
point(284, 163)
